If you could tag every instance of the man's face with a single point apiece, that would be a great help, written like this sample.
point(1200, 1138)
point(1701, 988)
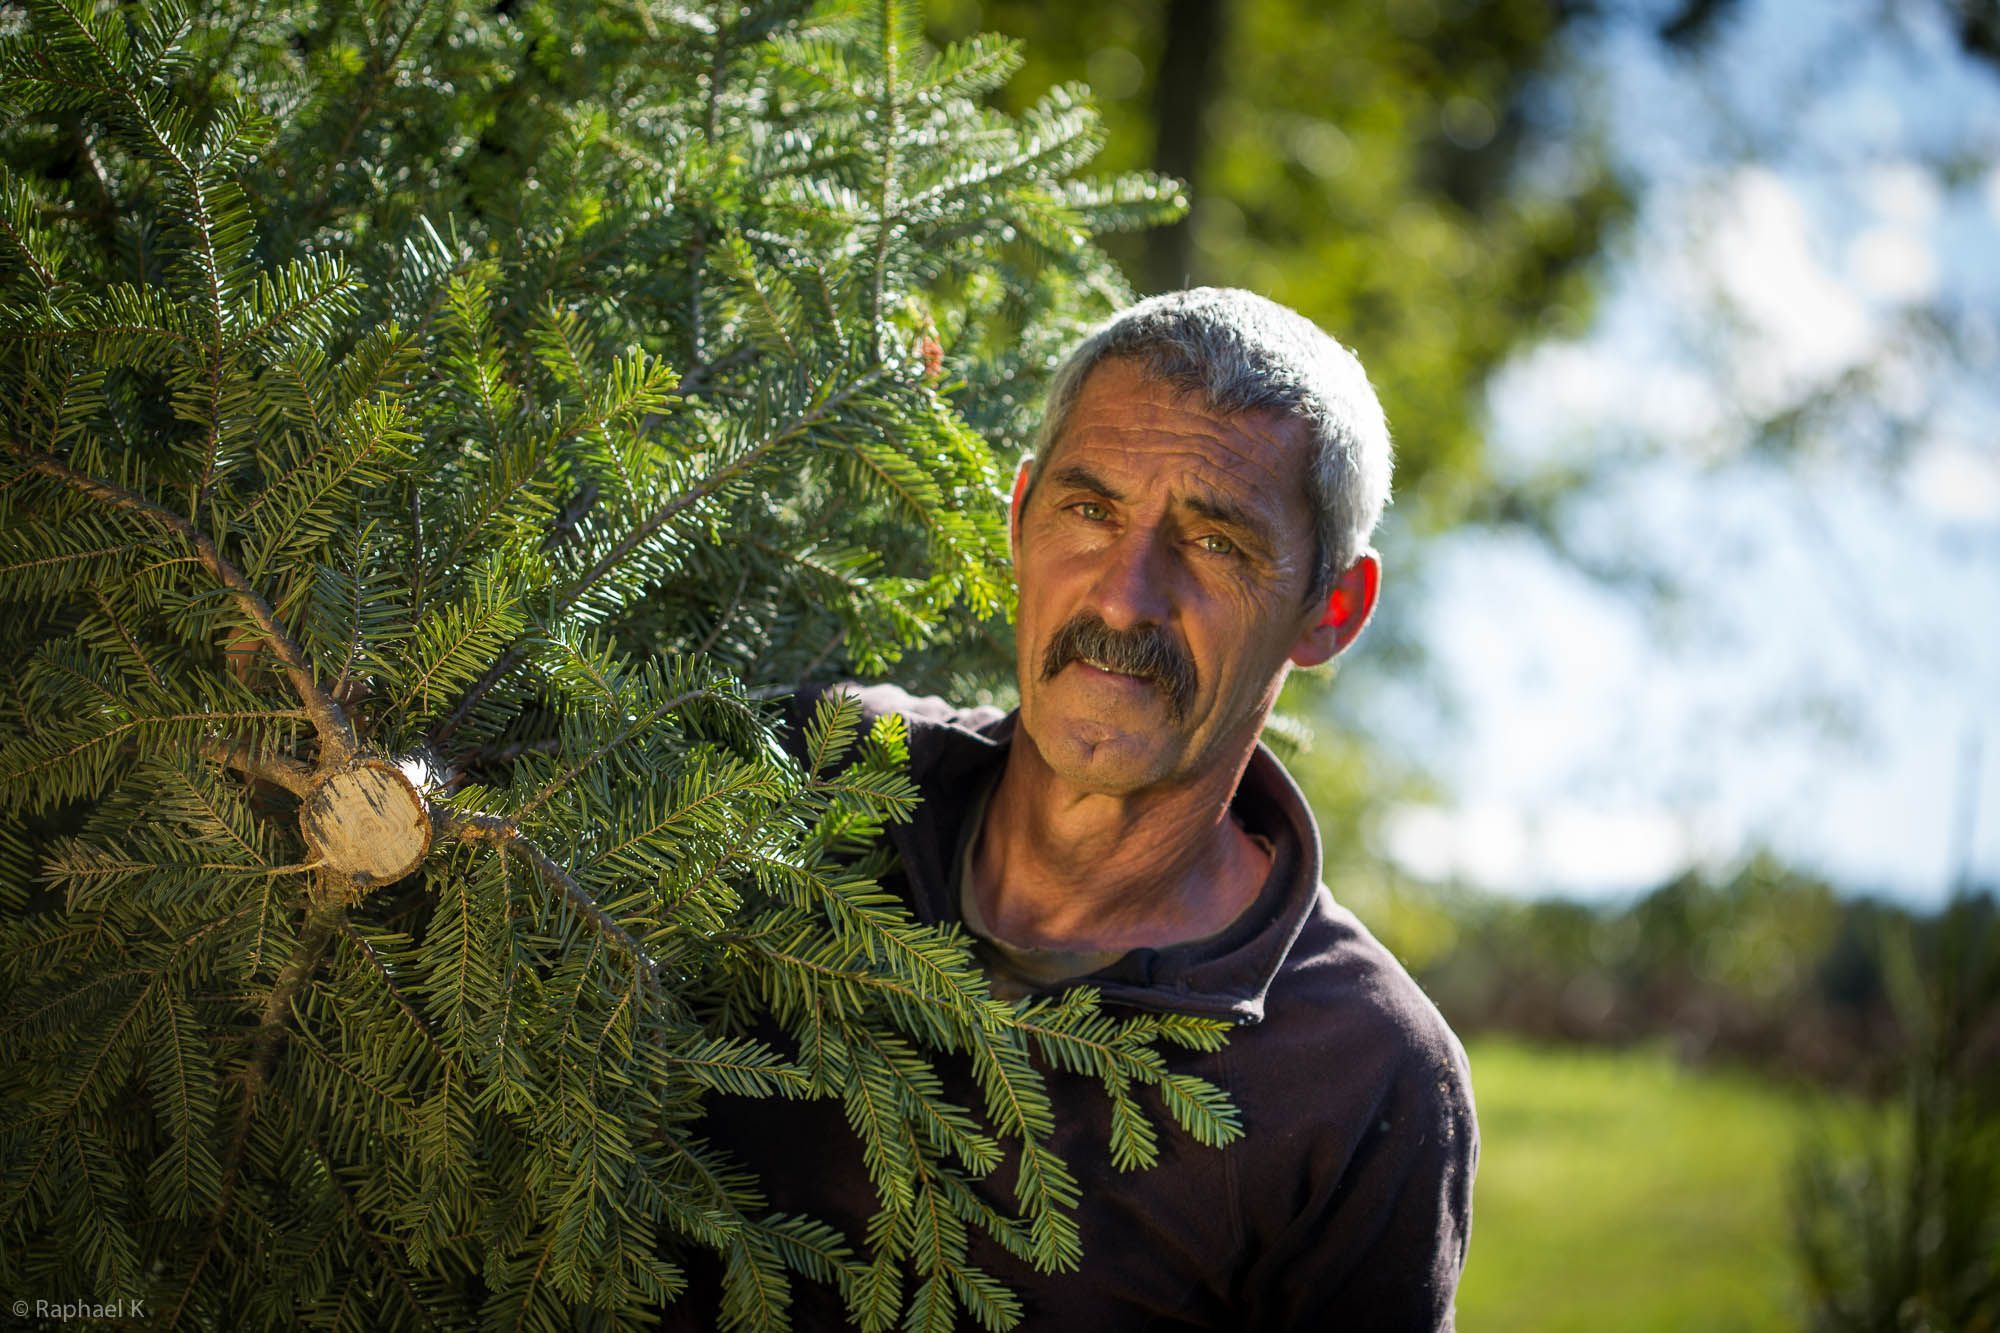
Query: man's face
point(1175, 547)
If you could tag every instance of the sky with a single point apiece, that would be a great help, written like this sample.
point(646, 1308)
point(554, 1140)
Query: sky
point(1793, 648)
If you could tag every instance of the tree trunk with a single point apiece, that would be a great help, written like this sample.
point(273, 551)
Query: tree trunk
point(1182, 91)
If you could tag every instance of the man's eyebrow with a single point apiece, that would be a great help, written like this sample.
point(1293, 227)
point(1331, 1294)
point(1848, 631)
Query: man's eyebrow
point(1217, 509)
point(1084, 479)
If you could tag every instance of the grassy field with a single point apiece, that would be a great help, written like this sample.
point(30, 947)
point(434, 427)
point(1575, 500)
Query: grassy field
point(1618, 1191)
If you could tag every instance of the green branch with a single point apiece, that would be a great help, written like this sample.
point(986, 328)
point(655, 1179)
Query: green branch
point(336, 735)
point(503, 834)
point(714, 482)
point(276, 1022)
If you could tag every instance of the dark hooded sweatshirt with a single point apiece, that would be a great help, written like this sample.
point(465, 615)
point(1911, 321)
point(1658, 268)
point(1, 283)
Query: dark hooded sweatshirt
point(1345, 1206)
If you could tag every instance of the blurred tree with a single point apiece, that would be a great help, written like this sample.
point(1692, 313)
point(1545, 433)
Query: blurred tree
point(1764, 965)
point(1904, 1234)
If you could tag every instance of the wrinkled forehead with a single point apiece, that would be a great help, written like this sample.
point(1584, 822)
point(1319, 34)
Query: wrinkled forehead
point(1150, 430)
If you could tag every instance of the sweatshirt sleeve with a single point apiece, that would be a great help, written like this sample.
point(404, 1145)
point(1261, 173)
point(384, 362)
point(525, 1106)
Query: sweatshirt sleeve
point(1380, 1245)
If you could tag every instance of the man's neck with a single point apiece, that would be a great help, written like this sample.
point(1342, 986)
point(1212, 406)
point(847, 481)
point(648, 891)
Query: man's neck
point(1055, 866)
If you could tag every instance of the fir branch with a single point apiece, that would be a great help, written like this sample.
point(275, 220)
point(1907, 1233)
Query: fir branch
point(495, 755)
point(637, 387)
point(98, 928)
point(73, 557)
point(23, 247)
point(96, 332)
point(534, 1153)
point(417, 546)
point(181, 1073)
point(492, 829)
point(861, 978)
point(698, 246)
point(336, 735)
point(119, 89)
point(714, 482)
point(158, 137)
point(293, 372)
point(724, 616)
point(374, 960)
point(739, 1066)
point(386, 1090)
point(695, 382)
point(671, 904)
point(768, 307)
point(946, 1124)
point(19, 1192)
point(357, 1223)
point(381, 71)
point(744, 778)
point(819, 658)
point(55, 761)
point(108, 208)
point(209, 814)
point(1202, 1110)
point(455, 636)
point(890, 109)
point(355, 619)
point(125, 637)
point(304, 294)
point(256, 1079)
point(218, 323)
point(624, 734)
point(535, 1278)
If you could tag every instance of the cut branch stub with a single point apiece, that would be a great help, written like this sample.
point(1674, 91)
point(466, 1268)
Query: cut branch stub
point(367, 823)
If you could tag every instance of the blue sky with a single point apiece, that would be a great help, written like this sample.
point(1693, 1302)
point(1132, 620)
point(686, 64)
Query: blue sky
point(1818, 234)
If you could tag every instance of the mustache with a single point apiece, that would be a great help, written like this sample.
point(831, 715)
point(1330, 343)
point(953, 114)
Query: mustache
point(1150, 652)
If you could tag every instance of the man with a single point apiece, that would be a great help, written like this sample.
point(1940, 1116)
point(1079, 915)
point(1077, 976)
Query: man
point(1193, 524)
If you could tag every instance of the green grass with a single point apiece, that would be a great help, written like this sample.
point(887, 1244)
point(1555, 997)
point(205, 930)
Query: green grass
point(1619, 1191)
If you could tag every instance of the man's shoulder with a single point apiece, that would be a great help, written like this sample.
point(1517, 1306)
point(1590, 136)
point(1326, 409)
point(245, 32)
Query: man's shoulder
point(884, 697)
point(1344, 998)
point(1361, 1141)
point(933, 721)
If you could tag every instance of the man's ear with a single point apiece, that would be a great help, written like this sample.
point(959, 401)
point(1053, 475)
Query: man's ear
point(1014, 506)
point(1347, 609)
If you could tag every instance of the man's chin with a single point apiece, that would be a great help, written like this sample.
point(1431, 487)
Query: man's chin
point(1103, 750)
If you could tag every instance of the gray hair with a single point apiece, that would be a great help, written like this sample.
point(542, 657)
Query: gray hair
point(1241, 352)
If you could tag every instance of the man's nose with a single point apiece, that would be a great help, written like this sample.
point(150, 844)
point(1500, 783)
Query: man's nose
point(1134, 580)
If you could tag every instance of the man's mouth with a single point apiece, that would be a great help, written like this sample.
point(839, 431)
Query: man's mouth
point(1148, 657)
point(1111, 670)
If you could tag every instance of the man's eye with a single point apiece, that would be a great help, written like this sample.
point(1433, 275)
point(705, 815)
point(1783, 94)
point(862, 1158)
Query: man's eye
point(1217, 545)
point(1091, 510)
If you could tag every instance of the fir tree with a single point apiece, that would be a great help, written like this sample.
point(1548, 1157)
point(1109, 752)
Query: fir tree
point(432, 441)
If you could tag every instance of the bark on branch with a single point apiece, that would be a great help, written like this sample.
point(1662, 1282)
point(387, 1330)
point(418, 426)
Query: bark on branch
point(282, 770)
